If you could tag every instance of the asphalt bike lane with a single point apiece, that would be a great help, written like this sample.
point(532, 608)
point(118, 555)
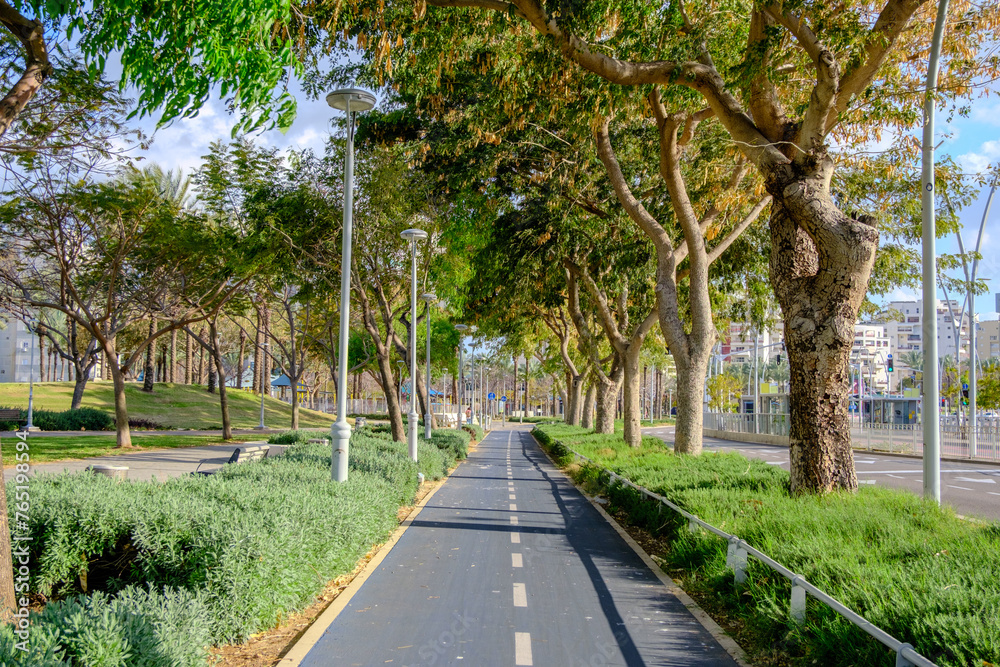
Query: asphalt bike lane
point(509, 564)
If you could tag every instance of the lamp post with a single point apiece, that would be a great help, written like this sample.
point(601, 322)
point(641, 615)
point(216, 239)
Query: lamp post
point(263, 380)
point(428, 298)
point(31, 374)
point(413, 235)
point(461, 328)
point(472, 415)
point(351, 101)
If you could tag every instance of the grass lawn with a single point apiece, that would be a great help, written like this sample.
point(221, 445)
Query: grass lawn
point(65, 448)
point(172, 405)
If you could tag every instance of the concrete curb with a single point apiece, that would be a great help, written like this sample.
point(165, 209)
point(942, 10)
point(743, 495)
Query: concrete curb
point(700, 615)
point(297, 653)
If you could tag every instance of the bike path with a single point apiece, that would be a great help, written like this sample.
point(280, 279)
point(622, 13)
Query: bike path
point(509, 564)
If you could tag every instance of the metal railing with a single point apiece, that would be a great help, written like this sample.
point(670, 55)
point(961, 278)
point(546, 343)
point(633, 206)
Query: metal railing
point(875, 436)
point(736, 558)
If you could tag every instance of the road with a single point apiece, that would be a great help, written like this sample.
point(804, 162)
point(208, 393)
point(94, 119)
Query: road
point(509, 564)
point(973, 489)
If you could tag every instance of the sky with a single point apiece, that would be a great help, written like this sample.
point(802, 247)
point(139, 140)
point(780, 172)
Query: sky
point(973, 142)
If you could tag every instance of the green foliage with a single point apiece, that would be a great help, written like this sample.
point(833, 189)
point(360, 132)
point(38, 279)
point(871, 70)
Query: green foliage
point(453, 442)
point(81, 419)
point(136, 628)
point(475, 430)
point(294, 437)
point(253, 542)
point(908, 566)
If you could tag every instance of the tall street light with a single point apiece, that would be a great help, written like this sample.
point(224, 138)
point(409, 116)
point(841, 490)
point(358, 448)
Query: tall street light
point(472, 415)
point(351, 101)
point(428, 298)
point(413, 235)
point(262, 380)
point(33, 330)
point(931, 416)
point(461, 328)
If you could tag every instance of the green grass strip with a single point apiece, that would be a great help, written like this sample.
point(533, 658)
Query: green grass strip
point(912, 568)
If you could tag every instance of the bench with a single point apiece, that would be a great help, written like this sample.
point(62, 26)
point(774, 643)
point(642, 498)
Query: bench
point(239, 455)
point(10, 415)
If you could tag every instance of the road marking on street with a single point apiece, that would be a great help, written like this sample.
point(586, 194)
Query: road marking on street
point(513, 507)
point(993, 493)
point(866, 481)
point(522, 649)
point(520, 596)
point(512, 497)
point(897, 476)
point(516, 560)
point(515, 538)
point(908, 472)
point(977, 481)
point(964, 488)
point(513, 521)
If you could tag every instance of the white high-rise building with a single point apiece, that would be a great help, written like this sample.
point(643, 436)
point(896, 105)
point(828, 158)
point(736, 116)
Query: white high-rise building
point(15, 352)
point(904, 325)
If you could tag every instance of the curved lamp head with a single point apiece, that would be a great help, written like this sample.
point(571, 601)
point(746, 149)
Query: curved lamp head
point(413, 234)
point(360, 100)
point(461, 327)
point(428, 297)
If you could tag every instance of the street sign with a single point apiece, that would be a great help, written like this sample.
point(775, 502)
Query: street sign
point(491, 396)
point(503, 398)
point(965, 387)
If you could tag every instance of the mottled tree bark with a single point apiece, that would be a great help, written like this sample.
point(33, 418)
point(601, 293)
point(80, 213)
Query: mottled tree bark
point(147, 371)
point(172, 364)
point(8, 601)
point(241, 359)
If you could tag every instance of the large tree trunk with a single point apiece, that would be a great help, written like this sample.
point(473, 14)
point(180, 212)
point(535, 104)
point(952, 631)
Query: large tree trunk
point(172, 364)
point(691, 373)
point(632, 403)
point(391, 397)
point(124, 435)
point(79, 385)
point(227, 428)
point(574, 401)
point(147, 370)
point(188, 358)
point(587, 410)
point(240, 359)
point(607, 393)
point(820, 296)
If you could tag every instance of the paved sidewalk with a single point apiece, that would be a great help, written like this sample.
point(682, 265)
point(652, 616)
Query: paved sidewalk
point(147, 465)
point(509, 564)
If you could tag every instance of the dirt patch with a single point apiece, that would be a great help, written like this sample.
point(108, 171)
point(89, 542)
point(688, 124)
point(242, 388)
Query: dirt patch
point(267, 648)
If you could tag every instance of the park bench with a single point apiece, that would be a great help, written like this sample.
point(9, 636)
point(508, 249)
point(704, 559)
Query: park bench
point(239, 455)
point(10, 414)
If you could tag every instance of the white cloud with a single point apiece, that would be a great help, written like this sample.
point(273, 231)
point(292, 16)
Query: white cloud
point(980, 160)
point(988, 114)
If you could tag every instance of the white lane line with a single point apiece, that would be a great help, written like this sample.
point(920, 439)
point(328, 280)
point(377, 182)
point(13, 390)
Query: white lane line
point(913, 471)
point(993, 493)
point(522, 649)
point(976, 480)
point(513, 507)
point(516, 560)
point(897, 476)
point(512, 497)
point(520, 596)
point(866, 481)
point(515, 538)
point(963, 488)
point(513, 521)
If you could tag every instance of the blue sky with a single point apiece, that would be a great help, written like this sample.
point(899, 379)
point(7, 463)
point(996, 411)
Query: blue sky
point(974, 142)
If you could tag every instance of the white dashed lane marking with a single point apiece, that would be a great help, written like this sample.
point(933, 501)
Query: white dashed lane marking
point(512, 497)
point(513, 521)
point(516, 560)
point(520, 596)
point(515, 538)
point(522, 648)
point(513, 507)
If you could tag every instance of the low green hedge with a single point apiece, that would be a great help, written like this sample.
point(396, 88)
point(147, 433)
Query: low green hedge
point(251, 544)
point(908, 566)
point(85, 419)
point(295, 437)
point(475, 430)
point(453, 442)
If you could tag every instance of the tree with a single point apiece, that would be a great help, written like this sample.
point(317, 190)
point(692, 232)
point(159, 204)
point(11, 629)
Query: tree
point(781, 84)
point(106, 255)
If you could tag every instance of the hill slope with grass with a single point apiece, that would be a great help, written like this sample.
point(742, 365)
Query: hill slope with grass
point(170, 405)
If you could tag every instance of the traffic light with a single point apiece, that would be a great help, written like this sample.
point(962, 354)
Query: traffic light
point(965, 396)
point(890, 362)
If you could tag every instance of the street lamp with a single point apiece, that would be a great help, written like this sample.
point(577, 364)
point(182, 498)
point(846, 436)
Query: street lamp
point(472, 415)
point(262, 381)
point(428, 298)
point(413, 235)
point(461, 328)
point(31, 373)
point(351, 101)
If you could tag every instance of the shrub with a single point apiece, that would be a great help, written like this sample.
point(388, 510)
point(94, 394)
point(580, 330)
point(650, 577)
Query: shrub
point(907, 565)
point(475, 430)
point(294, 437)
point(146, 424)
point(87, 419)
point(253, 542)
point(453, 442)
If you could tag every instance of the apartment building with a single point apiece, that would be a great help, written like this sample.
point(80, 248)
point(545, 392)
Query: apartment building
point(738, 347)
point(16, 344)
point(988, 339)
point(870, 353)
point(904, 326)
